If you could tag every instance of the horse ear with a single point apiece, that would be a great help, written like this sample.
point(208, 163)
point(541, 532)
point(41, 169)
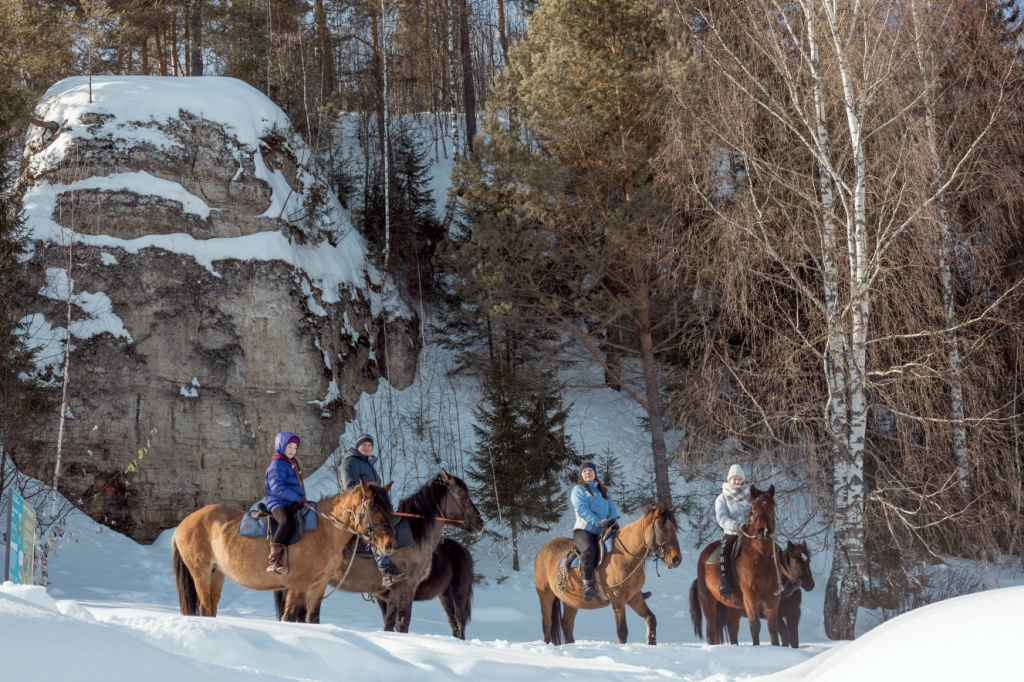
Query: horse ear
point(387, 488)
point(445, 476)
point(754, 492)
point(789, 545)
point(672, 509)
point(771, 490)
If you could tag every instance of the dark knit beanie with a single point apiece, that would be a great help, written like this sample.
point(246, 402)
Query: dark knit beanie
point(588, 465)
point(365, 438)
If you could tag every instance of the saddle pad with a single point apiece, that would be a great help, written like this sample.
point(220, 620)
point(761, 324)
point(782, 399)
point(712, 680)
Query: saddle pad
point(254, 523)
point(715, 557)
point(574, 556)
point(403, 536)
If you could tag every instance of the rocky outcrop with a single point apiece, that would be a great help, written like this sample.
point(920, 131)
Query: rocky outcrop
point(218, 294)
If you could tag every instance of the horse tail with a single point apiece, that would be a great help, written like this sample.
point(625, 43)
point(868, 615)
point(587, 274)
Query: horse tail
point(695, 612)
point(188, 597)
point(557, 636)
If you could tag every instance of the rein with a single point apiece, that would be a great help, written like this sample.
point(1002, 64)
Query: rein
point(433, 518)
point(650, 551)
point(364, 512)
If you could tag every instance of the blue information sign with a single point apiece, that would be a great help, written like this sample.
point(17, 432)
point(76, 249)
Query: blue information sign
point(21, 541)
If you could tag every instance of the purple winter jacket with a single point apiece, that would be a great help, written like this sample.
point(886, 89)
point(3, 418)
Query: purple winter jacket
point(284, 477)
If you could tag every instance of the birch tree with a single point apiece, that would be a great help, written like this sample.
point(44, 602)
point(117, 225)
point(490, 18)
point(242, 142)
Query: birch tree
point(820, 216)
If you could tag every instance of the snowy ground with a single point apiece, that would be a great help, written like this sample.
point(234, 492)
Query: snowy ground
point(111, 613)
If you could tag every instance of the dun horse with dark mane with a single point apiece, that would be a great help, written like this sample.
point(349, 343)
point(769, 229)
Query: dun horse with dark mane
point(207, 548)
point(620, 578)
point(757, 576)
point(442, 500)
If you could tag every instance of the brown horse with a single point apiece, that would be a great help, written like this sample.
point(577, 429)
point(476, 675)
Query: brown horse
point(442, 500)
point(757, 577)
point(451, 580)
point(207, 548)
point(620, 578)
point(795, 566)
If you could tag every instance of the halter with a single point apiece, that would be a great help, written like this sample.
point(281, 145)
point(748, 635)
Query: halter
point(364, 516)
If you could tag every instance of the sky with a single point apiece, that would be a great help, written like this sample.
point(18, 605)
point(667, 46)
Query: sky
point(110, 610)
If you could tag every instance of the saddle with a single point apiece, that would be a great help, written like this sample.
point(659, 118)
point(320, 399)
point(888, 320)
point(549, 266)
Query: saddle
point(257, 522)
point(716, 556)
point(571, 558)
point(403, 538)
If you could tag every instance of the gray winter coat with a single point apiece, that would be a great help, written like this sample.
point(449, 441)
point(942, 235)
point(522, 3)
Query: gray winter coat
point(730, 513)
point(355, 468)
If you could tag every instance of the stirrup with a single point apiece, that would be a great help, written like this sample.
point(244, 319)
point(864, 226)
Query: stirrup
point(391, 577)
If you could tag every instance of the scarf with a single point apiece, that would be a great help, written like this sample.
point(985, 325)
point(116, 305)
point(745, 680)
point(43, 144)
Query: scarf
point(736, 493)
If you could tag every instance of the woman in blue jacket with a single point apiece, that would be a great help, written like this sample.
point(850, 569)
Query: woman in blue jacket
point(285, 494)
point(595, 511)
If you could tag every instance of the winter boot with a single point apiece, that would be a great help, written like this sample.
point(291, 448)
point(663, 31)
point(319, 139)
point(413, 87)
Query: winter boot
point(725, 586)
point(390, 575)
point(276, 564)
point(589, 591)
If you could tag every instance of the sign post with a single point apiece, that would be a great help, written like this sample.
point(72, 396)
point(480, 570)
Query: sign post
point(21, 541)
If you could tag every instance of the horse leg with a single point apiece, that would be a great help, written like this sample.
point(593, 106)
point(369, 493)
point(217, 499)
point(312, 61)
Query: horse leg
point(639, 604)
point(754, 618)
point(451, 610)
point(547, 604)
point(568, 622)
point(773, 624)
point(216, 587)
point(294, 607)
point(620, 622)
point(732, 624)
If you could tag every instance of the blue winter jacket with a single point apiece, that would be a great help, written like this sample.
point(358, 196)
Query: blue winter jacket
point(591, 509)
point(284, 486)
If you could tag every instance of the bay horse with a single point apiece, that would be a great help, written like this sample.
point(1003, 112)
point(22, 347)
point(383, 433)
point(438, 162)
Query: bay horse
point(619, 578)
point(795, 565)
point(451, 580)
point(444, 499)
point(206, 549)
point(757, 581)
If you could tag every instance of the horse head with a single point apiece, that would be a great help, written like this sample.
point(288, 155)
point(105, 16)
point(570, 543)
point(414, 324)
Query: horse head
point(762, 512)
point(457, 504)
point(663, 541)
point(798, 562)
point(374, 519)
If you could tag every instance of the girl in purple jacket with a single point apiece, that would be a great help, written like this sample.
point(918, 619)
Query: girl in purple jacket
point(285, 494)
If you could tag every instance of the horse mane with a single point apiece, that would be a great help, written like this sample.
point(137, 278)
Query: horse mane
point(380, 499)
point(666, 511)
point(425, 502)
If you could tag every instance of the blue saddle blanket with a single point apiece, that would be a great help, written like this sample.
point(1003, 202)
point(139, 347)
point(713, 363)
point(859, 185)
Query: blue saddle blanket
point(254, 522)
point(574, 556)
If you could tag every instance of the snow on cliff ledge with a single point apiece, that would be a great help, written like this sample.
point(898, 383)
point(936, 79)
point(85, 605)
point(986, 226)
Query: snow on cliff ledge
point(132, 110)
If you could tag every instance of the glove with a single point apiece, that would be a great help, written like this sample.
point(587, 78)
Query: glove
point(302, 500)
point(604, 523)
point(743, 527)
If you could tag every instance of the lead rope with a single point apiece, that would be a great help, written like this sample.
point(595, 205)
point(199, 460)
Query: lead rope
point(639, 564)
point(775, 560)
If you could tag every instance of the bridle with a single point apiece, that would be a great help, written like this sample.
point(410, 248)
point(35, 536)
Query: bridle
point(765, 533)
point(362, 517)
point(655, 548)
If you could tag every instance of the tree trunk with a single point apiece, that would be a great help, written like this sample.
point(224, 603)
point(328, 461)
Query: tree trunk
point(329, 82)
point(515, 548)
point(468, 89)
point(196, 44)
point(956, 387)
point(502, 35)
point(662, 487)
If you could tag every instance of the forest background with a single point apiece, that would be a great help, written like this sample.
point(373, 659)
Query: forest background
point(788, 231)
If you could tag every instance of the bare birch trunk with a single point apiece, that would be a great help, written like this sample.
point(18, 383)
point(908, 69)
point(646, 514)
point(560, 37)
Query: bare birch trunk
point(956, 388)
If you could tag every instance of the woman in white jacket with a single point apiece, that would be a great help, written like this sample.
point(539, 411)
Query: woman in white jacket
point(732, 508)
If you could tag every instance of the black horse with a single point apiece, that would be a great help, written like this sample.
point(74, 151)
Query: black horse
point(451, 580)
point(444, 499)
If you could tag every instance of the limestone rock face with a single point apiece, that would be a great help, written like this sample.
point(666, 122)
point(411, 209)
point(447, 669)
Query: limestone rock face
point(217, 293)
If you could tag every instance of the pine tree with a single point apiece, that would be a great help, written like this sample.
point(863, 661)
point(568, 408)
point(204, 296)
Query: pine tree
point(522, 451)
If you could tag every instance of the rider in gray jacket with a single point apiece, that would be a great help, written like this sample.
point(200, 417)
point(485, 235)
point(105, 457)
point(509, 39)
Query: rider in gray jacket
point(355, 467)
point(732, 507)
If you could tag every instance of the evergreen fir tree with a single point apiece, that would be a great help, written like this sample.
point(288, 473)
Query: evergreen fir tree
point(522, 451)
